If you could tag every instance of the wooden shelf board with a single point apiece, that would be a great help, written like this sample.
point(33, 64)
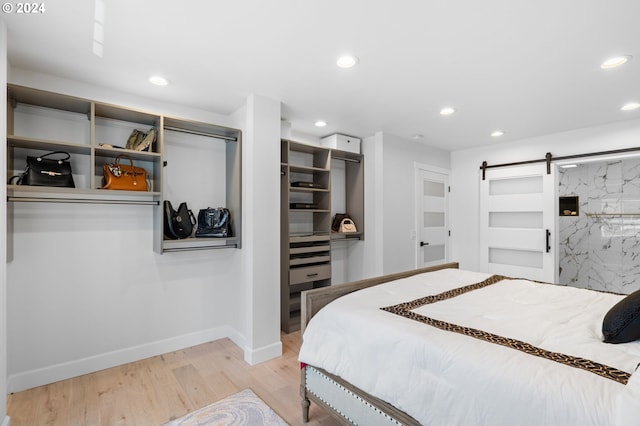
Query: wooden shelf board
point(41, 98)
point(199, 243)
point(347, 235)
point(309, 210)
point(300, 189)
point(303, 261)
point(104, 151)
point(114, 112)
point(309, 238)
point(52, 194)
point(305, 169)
point(48, 145)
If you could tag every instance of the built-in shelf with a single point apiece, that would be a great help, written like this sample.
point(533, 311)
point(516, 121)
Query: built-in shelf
point(346, 235)
point(305, 232)
point(43, 194)
point(199, 244)
point(95, 134)
point(569, 205)
point(306, 236)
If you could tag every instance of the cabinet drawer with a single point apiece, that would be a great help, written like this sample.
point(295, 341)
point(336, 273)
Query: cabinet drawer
point(309, 273)
point(309, 249)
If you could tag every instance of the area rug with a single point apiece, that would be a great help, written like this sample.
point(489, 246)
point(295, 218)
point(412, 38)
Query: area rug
point(244, 408)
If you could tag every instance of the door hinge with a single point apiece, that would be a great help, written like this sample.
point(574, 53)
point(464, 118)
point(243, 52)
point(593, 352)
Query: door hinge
point(449, 233)
point(449, 188)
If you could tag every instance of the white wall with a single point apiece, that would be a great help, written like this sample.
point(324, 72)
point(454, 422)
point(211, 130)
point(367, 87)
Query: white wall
point(85, 290)
point(390, 204)
point(466, 164)
point(398, 213)
point(261, 211)
point(4, 420)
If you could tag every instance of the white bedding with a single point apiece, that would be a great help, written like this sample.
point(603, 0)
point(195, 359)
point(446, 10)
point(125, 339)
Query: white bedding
point(445, 378)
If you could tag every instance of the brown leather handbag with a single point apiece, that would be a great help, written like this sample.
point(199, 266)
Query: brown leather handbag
point(123, 177)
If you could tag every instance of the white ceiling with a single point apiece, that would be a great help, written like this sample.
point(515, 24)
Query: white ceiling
point(526, 67)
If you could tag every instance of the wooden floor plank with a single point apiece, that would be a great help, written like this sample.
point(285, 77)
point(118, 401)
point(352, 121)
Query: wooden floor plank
point(158, 389)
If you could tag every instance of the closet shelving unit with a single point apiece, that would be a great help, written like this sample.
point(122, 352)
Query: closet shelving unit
point(230, 142)
point(39, 122)
point(354, 191)
point(305, 231)
point(306, 220)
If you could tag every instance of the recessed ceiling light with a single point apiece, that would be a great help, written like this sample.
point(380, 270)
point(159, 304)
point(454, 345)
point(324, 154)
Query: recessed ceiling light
point(158, 80)
point(497, 133)
point(347, 61)
point(447, 111)
point(417, 136)
point(630, 106)
point(615, 62)
point(320, 123)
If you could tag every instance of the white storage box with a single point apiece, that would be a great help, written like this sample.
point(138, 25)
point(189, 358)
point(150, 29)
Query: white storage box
point(341, 142)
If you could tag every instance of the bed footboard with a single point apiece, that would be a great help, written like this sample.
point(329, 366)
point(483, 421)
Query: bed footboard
point(345, 402)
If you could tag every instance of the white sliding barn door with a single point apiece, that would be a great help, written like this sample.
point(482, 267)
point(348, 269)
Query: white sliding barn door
point(517, 206)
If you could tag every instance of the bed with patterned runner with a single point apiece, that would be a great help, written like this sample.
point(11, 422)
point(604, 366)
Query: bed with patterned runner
point(453, 347)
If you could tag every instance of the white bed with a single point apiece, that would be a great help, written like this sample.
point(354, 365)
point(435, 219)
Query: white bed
point(506, 352)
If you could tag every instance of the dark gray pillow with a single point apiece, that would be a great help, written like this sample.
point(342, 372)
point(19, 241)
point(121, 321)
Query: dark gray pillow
point(622, 323)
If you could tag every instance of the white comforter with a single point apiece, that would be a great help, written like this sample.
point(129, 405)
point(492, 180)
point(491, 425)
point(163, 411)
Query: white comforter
point(444, 378)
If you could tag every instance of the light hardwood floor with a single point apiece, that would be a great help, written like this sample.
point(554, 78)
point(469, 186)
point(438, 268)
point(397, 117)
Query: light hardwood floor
point(156, 390)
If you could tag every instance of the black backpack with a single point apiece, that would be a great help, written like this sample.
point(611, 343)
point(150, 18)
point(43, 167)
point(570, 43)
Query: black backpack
point(178, 224)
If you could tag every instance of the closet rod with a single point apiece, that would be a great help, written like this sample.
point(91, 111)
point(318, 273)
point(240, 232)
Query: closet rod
point(353, 160)
point(548, 158)
point(80, 201)
point(195, 132)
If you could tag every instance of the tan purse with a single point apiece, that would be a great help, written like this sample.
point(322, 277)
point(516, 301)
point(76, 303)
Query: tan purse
point(347, 225)
point(127, 178)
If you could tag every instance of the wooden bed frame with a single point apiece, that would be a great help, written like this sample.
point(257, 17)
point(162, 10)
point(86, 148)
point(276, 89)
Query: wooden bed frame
point(312, 302)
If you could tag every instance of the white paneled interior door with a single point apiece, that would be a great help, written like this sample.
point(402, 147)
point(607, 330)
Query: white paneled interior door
point(432, 217)
point(517, 206)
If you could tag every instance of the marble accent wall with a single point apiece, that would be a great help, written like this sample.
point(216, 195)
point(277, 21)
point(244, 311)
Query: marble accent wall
point(600, 247)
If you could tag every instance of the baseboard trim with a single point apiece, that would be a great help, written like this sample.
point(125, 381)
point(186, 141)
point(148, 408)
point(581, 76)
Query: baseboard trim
point(265, 353)
point(6, 421)
point(42, 376)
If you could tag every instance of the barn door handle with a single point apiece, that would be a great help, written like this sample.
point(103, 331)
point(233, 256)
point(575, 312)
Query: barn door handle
point(548, 245)
point(422, 243)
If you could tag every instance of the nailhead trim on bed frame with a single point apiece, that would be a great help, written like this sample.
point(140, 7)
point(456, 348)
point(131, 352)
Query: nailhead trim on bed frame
point(349, 393)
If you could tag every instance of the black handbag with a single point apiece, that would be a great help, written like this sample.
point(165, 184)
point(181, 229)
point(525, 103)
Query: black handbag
point(178, 224)
point(214, 223)
point(43, 171)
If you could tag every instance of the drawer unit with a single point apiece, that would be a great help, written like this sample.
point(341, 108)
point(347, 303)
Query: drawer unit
point(309, 273)
point(309, 249)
